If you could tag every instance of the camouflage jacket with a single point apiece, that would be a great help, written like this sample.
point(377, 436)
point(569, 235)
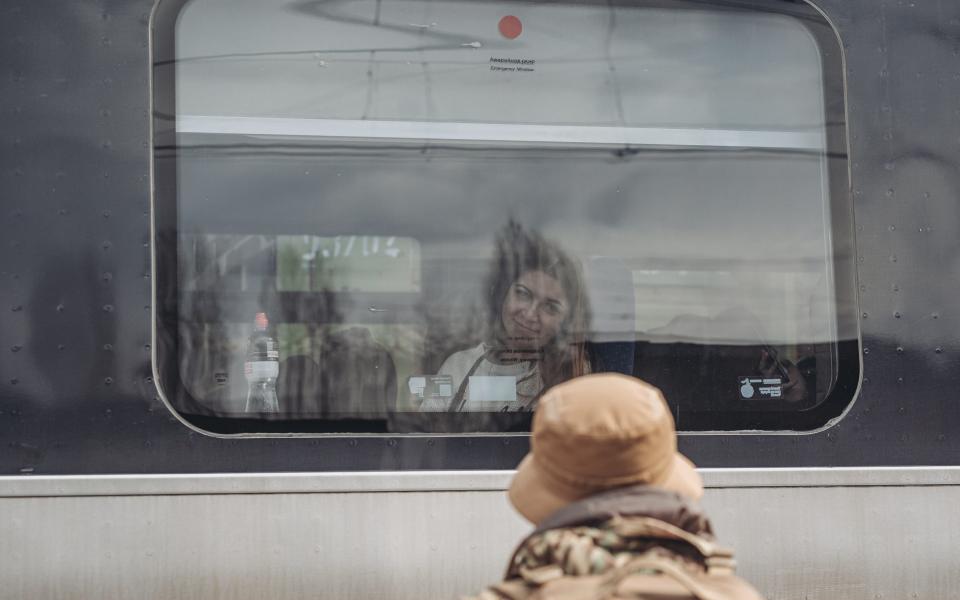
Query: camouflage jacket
point(626, 543)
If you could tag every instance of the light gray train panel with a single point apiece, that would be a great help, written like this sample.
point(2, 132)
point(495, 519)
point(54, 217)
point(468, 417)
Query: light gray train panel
point(234, 546)
point(839, 534)
point(799, 534)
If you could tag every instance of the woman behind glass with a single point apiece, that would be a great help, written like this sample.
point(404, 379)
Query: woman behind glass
point(537, 318)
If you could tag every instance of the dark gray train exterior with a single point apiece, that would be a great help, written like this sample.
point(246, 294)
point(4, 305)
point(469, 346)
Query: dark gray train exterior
point(78, 402)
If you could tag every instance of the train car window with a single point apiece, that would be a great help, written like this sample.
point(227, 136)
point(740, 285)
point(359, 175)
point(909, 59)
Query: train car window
point(416, 216)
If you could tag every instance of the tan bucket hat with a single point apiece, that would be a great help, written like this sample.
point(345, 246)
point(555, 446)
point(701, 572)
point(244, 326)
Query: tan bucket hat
point(595, 433)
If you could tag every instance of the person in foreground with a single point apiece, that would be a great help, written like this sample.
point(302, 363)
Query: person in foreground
point(613, 503)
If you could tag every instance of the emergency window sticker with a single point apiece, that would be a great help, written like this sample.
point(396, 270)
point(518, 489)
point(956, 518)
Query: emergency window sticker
point(760, 388)
point(510, 27)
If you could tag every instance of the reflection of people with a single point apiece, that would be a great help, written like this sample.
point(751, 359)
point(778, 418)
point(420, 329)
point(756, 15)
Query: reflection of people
point(794, 387)
point(734, 343)
point(537, 318)
point(613, 502)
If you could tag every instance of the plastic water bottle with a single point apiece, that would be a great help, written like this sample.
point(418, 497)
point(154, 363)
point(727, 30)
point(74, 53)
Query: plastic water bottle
point(261, 368)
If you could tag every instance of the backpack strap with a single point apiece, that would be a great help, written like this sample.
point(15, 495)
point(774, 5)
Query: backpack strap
point(718, 559)
point(460, 398)
point(656, 564)
point(511, 589)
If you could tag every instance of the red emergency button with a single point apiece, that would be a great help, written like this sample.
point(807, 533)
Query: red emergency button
point(510, 27)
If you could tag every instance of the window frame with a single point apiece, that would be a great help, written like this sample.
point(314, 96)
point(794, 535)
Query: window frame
point(164, 207)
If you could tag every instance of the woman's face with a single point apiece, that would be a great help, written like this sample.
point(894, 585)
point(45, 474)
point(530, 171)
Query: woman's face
point(534, 310)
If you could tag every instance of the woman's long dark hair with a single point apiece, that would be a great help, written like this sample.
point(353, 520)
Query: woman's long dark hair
point(520, 251)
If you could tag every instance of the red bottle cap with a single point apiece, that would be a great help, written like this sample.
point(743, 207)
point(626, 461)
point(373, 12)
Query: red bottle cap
point(260, 322)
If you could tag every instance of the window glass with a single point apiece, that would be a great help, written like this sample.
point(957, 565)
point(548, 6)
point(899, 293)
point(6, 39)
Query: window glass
point(418, 216)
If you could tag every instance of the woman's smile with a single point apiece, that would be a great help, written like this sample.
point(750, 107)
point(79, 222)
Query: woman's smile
point(532, 330)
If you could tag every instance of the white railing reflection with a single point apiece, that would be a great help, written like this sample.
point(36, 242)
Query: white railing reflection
point(503, 132)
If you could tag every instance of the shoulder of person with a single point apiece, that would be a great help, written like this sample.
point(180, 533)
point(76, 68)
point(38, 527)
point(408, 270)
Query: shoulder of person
point(647, 583)
point(458, 363)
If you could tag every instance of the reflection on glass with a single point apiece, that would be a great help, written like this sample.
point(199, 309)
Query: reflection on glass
point(348, 263)
point(442, 222)
point(593, 64)
point(537, 319)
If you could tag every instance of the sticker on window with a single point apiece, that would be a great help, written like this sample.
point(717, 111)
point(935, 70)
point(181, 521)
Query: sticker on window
point(760, 388)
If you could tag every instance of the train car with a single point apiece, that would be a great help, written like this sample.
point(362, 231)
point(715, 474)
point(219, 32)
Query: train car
point(282, 281)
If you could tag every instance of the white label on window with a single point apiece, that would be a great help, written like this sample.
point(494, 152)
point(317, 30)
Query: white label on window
point(416, 385)
point(261, 369)
point(490, 388)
